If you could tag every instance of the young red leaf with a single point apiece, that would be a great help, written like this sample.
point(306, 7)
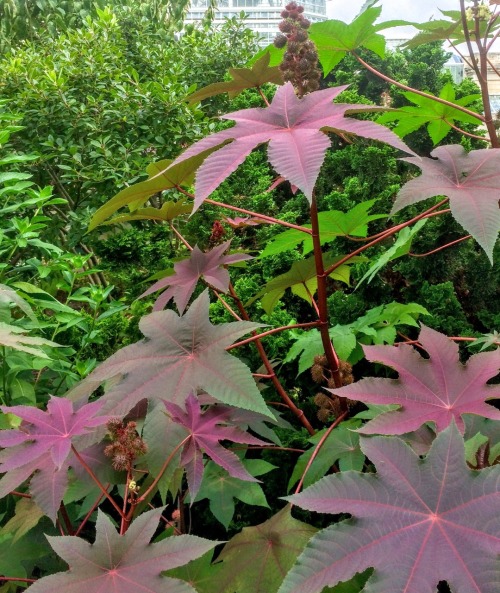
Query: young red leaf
point(416, 522)
point(294, 129)
point(472, 183)
point(187, 273)
point(42, 444)
point(205, 430)
point(180, 355)
point(437, 390)
point(122, 563)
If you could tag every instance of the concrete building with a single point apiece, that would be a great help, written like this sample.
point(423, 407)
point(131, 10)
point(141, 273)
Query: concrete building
point(263, 16)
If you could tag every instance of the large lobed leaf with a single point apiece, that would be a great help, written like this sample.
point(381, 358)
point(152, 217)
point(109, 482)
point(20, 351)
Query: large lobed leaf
point(256, 560)
point(439, 389)
point(296, 131)
point(122, 563)
point(180, 354)
point(42, 445)
point(243, 78)
point(438, 117)
point(416, 522)
point(204, 431)
point(472, 183)
point(198, 265)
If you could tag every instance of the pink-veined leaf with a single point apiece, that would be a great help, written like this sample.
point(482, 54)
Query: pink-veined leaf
point(295, 129)
point(439, 389)
point(416, 522)
point(183, 281)
point(205, 430)
point(471, 181)
point(42, 446)
point(243, 221)
point(180, 355)
point(122, 563)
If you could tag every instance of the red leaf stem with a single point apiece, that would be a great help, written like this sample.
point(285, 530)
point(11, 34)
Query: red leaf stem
point(317, 449)
point(97, 481)
point(271, 332)
point(89, 514)
point(440, 248)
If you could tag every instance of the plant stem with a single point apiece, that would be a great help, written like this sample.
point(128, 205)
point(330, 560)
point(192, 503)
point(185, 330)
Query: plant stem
point(269, 368)
point(331, 355)
point(89, 514)
point(318, 448)
point(440, 248)
point(428, 213)
point(273, 331)
point(269, 219)
point(96, 480)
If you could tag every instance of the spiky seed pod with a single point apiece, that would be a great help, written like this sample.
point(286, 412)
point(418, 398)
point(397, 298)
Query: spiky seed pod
point(317, 373)
point(320, 359)
point(292, 6)
point(300, 35)
point(280, 41)
point(285, 26)
point(304, 65)
point(120, 462)
point(300, 9)
point(305, 23)
point(323, 415)
point(336, 406)
point(293, 47)
point(322, 400)
point(285, 14)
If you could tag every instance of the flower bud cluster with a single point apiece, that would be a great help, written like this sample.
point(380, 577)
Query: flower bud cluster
point(126, 444)
point(300, 61)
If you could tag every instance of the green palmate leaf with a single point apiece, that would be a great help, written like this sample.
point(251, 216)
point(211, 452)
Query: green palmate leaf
point(309, 344)
point(221, 489)
point(255, 560)
point(438, 117)
point(7, 295)
point(401, 247)
point(486, 341)
point(159, 180)
point(332, 224)
point(243, 78)
point(302, 280)
point(342, 446)
point(166, 213)
point(452, 30)
point(334, 39)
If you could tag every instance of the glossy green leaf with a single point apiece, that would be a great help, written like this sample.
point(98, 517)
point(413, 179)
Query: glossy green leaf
point(221, 489)
point(438, 117)
point(342, 446)
point(334, 39)
point(166, 213)
point(332, 224)
point(302, 280)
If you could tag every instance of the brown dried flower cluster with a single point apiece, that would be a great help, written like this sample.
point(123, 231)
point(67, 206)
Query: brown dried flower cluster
point(300, 62)
point(126, 444)
point(330, 406)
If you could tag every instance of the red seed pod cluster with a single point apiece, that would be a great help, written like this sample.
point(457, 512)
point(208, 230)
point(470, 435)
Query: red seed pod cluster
point(300, 62)
point(218, 233)
point(126, 444)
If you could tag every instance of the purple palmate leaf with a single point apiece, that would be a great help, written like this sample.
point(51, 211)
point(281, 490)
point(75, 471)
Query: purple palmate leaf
point(42, 444)
point(122, 563)
point(416, 522)
point(472, 183)
point(187, 273)
point(439, 389)
point(295, 129)
point(205, 430)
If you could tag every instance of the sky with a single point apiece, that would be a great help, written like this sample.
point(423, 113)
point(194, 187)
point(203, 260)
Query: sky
point(409, 10)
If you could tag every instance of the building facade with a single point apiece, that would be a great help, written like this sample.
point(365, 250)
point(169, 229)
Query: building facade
point(262, 16)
